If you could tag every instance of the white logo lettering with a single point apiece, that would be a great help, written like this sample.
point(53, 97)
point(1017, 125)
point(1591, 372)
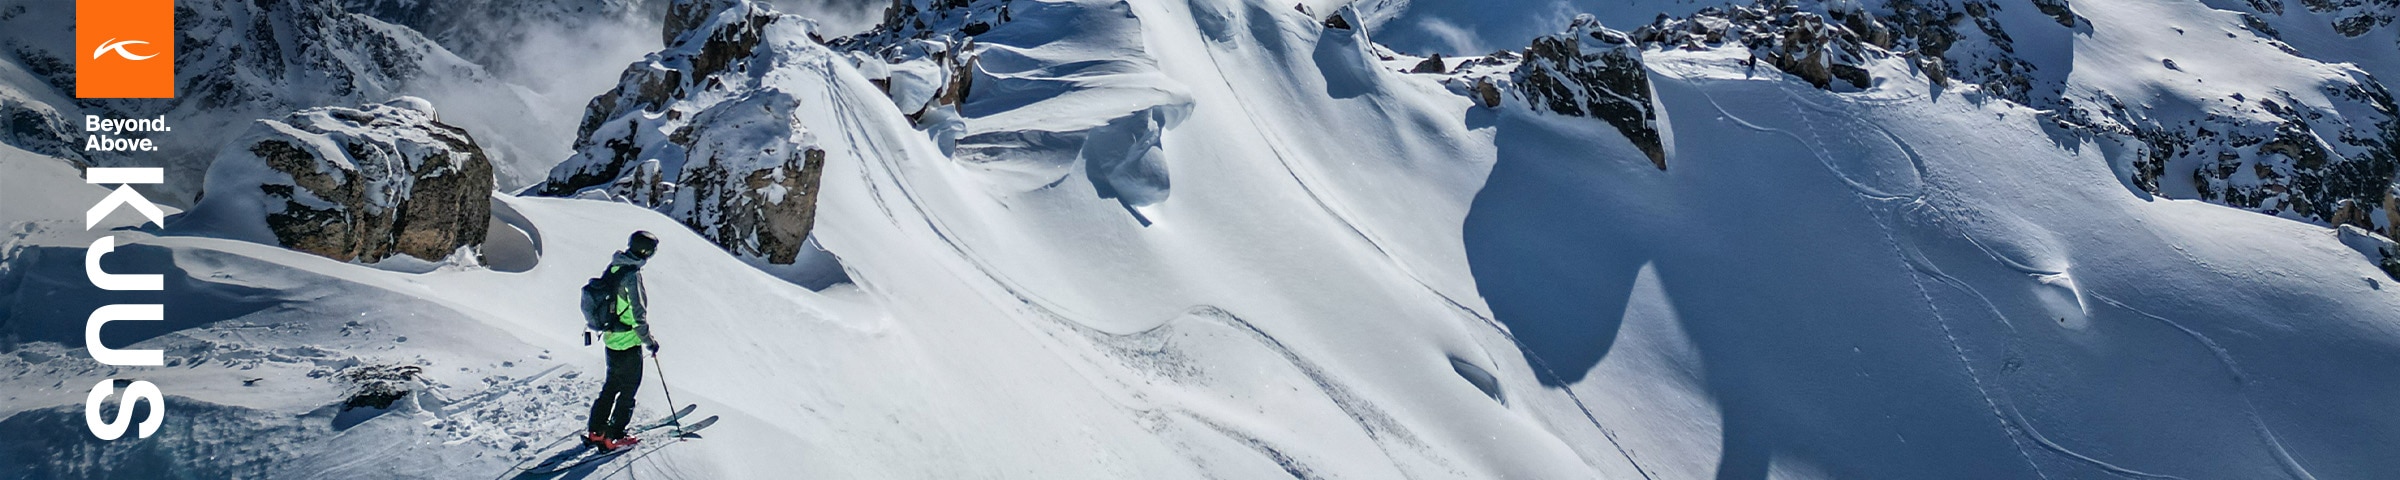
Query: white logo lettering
point(119, 47)
point(138, 391)
point(125, 313)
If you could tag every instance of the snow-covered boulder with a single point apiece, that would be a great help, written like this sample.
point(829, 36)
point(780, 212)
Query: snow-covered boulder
point(353, 184)
point(1592, 71)
point(750, 180)
point(701, 132)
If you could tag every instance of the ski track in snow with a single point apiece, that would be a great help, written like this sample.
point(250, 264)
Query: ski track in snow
point(1864, 196)
point(2011, 419)
point(1297, 470)
point(1370, 419)
point(2241, 384)
point(1502, 329)
point(1274, 145)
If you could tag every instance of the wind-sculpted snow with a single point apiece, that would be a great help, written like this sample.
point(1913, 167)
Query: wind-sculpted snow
point(1025, 90)
point(1934, 281)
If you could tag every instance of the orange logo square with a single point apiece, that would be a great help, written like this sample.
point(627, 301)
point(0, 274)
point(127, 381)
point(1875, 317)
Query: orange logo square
point(125, 49)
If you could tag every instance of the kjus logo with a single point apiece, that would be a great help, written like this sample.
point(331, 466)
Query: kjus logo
point(133, 48)
point(113, 45)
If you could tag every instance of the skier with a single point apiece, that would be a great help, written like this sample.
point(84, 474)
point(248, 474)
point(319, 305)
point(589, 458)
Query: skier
point(614, 409)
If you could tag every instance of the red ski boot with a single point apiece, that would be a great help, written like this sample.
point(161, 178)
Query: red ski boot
point(621, 442)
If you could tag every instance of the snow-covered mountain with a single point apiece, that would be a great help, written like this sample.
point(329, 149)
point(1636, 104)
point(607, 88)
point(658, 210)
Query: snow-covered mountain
point(1244, 239)
point(240, 61)
point(493, 33)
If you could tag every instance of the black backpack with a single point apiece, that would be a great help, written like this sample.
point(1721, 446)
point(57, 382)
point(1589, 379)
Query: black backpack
point(600, 302)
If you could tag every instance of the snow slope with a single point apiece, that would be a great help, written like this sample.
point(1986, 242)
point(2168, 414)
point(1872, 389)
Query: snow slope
point(1354, 273)
point(1859, 290)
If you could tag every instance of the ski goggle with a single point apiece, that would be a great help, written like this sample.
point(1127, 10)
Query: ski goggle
point(642, 253)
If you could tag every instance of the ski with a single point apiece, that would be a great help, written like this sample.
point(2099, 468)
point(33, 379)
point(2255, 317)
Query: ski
point(692, 431)
point(650, 441)
point(672, 419)
point(552, 465)
point(678, 435)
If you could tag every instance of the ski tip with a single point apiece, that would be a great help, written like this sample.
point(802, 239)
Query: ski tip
point(692, 431)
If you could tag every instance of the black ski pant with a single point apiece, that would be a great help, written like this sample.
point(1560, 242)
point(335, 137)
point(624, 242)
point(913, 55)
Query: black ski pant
point(614, 409)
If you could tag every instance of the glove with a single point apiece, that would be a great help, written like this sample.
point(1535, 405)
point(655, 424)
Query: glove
point(653, 347)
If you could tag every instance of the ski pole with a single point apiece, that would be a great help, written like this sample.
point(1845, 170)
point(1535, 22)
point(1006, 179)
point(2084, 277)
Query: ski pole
point(662, 383)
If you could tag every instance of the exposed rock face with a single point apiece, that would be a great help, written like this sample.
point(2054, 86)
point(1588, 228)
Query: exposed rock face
point(2351, 18)
point(615, 131)
point(753, 198)
point(237, 61)
point(703, 134)
point(356, 184)
point(1431, 64)
point(1801, 43)
point(2289, 167)
point(1592, 71)
point(36, 127)
point(2057, 10)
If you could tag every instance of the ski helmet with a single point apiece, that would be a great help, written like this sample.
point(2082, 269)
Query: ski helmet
point(642, 244)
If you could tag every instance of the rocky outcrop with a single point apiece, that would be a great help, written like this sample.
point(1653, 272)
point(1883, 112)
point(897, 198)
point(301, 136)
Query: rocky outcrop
point(700, 133)
point(2351, 18)
point(354, 184)
point(756, 199)
point(654, 95)
point(36, 127)
point(1592, 71)
point(924, 54)
point(1431, 64)
point(2058, 10)
point(1802, 43)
